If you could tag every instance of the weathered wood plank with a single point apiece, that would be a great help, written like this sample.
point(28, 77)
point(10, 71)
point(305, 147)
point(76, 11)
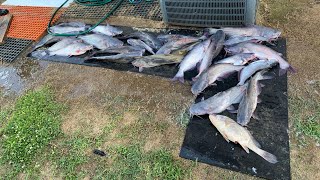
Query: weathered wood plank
point(4, 26)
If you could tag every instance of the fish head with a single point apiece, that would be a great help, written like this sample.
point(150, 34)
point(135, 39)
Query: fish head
point(83, 50)
point(248, 56)
point(200, 84)
point(138, 63)
point(219, 36)
point(271, 34)
point(197, 109)
point(234, 49)
point(219, 121)
point(116, 31)
point(89, 47)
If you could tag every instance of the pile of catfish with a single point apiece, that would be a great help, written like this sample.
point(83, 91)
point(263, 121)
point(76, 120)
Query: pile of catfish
point(106, 43)
point(246, 55)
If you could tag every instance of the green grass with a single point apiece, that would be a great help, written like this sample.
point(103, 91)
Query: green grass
point(130, 162)
point(306, 117)
point(4, 118)
point(70, 154)
point(33, 123)
point(183, 118)
point(32, 140)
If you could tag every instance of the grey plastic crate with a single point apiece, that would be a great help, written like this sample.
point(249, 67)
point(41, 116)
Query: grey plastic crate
point(209, 13)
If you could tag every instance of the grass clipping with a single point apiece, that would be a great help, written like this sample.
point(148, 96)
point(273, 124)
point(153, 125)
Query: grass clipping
point(34, 121)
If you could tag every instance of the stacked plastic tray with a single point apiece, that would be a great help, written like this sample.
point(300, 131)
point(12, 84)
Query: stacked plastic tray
point(209, 13)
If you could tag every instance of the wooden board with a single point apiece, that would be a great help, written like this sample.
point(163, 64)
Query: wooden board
point(4, 26)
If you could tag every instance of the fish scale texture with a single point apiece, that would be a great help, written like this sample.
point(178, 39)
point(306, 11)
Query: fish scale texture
point(29, 22)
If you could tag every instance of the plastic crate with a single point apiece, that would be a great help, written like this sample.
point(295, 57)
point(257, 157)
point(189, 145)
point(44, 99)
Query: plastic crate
point(29, 22)
point(209, 13)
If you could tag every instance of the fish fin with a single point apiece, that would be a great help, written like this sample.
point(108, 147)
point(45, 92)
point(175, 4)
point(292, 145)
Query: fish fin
point(198, 66)
point(282, 72)
point(267, 77)
point(242, 121)
point(239, 74)
point(245, 148)
point(240, 84)
point(259, 100)
point(259, 89)
point(233, 111)
point(255, 141)
point(220, 79)
point(265, 155)
point(176, 78)
point(179, 77)
point(231, 108)
point(209, 31)
point(225, 137)
point(262, 85)
point(226, 75)
point(255, 115)
point(272, 44)
point(195, 78)
point(292, 69)
point(213, 84)
point(140, 69)
point(40, 53)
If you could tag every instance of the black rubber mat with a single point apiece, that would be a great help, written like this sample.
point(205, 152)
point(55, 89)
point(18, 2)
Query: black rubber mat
point(146, 10)
point(204, 143)
point(12, 48)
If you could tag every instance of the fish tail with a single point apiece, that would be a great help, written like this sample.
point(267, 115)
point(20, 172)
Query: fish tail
point(292, 69)
point(267, 77)
point(210, 31)
point(178, 77)
point(39, 53)
point(240, 83)
point(265, 155)
point(241, 120)
point(196, 77)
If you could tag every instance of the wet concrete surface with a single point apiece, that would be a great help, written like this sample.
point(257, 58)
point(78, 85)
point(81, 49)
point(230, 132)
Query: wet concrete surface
point(18, 76)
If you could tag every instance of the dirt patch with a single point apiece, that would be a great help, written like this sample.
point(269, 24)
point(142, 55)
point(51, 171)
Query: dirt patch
point(302, 38)
point(129, 118)
point(203, 171)
point(21, 176)
point(85, 119)
point(88, 168)
point(300, 27)
point(153, 142)
point(86, 178)
point(123, 21)
point(305, 162)
point(79, 86)
point(47, 172)
point(112, 140)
